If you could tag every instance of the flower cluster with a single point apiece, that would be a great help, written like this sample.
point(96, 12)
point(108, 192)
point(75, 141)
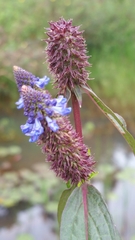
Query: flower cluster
point(66, 55)
point(38, 104)
point(26, 78)
point(48, 124)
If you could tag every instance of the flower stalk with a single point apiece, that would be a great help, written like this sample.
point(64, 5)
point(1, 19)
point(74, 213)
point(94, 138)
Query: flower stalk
point(76, 113)
point(66, 56)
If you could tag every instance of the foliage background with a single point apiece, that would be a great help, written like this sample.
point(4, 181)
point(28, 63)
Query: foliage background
point(109, 32)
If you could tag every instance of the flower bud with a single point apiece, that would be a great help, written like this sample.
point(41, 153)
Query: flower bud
point(24, 77)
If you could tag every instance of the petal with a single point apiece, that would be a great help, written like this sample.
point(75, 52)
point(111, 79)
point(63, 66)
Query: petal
point(41, 82)
point(52, 124)
point(37, 129)
point(49, 111)
point(26, 128)
point(62, 111)
point(66, 111)
point(30, 120)
point(19, 103)
point(40, 116)
point(61, 100)
point(34, 138)
point(38, 126)
point(33, 130)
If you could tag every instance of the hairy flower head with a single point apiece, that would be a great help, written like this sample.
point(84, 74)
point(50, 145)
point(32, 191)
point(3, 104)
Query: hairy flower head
point(66, 55)
point(67, 154)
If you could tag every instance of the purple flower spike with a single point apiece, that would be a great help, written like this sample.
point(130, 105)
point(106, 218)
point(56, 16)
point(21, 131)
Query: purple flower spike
point(40, 105)
point(24, 77)
point(19, 103)
point(66, 55)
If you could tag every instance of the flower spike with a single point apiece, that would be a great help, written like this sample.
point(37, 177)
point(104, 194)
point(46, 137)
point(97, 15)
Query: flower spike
point(67, 154)
point(24, 77)
point(38, 107)
point(66, 56)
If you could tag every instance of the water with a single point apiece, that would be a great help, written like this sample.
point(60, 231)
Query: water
point(121, 197)
point(33, 223)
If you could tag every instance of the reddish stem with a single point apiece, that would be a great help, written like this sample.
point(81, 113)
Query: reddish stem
point(76, 112)
point(78, 127)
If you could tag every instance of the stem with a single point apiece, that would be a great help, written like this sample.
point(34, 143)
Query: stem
point(78, 127)
point(76, 112)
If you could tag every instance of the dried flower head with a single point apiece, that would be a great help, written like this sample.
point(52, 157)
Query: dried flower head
point(66, 55)
point(67, 154)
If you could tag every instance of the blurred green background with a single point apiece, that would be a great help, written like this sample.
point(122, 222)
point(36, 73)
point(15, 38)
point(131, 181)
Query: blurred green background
point(109, 30)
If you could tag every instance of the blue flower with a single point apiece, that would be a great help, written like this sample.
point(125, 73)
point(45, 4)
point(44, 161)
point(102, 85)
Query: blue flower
point(42, 82)
point(31, 120)
point(60, 106)
point(61, 111)
point(61, 100)
point(33, 130)
point(41, 109)
point(19, 103)
point(52, 124)
point(27, 128)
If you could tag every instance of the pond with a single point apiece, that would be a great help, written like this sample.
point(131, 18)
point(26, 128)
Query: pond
point(116, 178)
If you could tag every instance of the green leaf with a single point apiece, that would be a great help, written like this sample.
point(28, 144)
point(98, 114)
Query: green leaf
point(115, 118)
point(68, 94)
point(63, 199)
point(78, 94)
point(100, 225)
